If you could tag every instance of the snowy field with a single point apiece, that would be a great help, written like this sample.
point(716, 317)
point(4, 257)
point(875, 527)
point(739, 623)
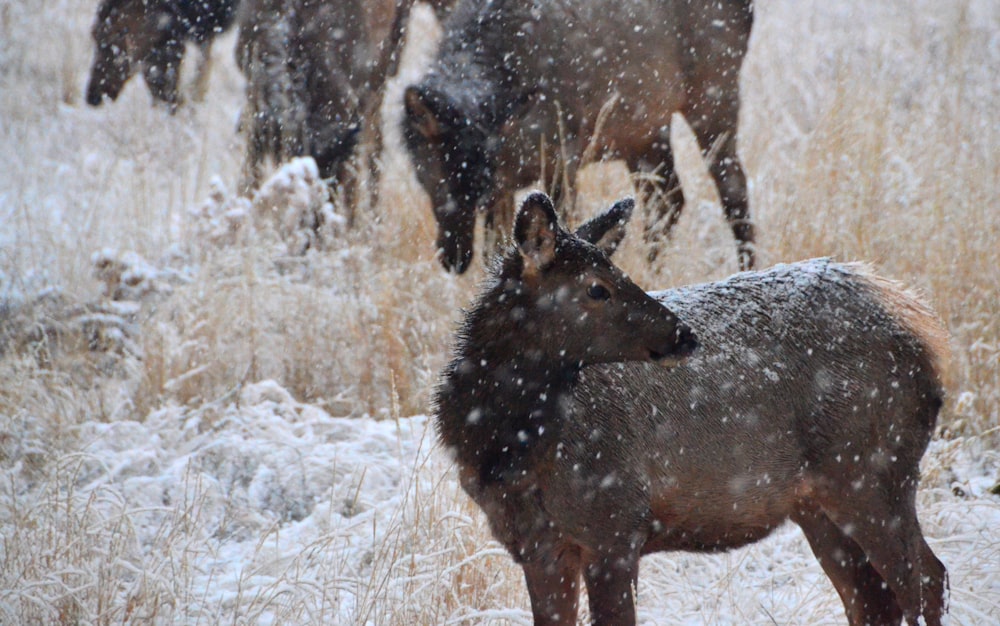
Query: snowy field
point(198, 425)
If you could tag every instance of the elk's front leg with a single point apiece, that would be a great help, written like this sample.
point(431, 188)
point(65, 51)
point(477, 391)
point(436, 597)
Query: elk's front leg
point(554, 588)
point(611, 583)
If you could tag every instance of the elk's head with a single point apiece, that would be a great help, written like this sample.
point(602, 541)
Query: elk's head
point(129, 34)
point(577, 307)
point(454, 158)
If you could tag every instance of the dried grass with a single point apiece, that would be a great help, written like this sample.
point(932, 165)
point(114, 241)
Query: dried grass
point(877, 145)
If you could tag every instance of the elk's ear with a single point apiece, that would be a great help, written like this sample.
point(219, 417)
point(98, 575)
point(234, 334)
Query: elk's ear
point(423, 111)
point(535, 229)
point(607, 230)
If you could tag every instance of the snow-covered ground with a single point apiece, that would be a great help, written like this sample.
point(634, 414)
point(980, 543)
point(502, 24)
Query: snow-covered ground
point(267, 510)
point(200, 425)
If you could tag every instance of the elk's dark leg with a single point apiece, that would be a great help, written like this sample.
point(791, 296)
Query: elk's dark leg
point(882, 519)
point(161, 69)
point(659, 189)
point(250, 126)
point(712, 51)
point(554, 589)
point(717, 139)
point(611, 583)
point(346, 187)
point(867, 599)
point(714, 125)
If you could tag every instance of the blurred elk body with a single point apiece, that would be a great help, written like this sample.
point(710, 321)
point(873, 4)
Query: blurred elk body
point(522, 89)
point(150, 35)
point(812, 396)
point(315, 73)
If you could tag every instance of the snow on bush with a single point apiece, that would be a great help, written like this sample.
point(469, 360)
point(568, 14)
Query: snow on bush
point(295, 201)
point(222, 219)
point(128, 276)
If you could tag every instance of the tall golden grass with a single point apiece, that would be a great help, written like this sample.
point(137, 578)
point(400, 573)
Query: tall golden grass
point(870, 132)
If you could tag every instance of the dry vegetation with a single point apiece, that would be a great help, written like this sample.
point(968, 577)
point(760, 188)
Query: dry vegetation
point(870, 131)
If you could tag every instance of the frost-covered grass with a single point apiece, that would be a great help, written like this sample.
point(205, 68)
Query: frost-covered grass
point(200, 426)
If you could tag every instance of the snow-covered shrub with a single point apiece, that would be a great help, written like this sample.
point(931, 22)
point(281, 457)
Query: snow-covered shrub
point(223, 218)
point(295, 202)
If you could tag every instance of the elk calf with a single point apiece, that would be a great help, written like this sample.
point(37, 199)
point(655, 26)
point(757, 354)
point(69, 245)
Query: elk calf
point(811, 396)
point(521, 90)
point(150, 34)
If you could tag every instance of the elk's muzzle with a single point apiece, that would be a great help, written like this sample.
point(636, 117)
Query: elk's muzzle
point(683, 344)
point(456, 228)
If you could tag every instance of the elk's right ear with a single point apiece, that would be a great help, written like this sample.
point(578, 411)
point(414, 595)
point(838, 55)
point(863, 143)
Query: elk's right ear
point(607, 230)
point(535, 229)
point(422, 111)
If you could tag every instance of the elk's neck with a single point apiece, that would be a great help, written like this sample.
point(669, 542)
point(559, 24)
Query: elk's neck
point(484, 90)
point(500, 403)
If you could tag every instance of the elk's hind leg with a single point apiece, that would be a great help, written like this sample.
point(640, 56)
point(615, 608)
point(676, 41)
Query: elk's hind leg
point(714, 124)
point(881, 518)
point(612, 578)
point(161, 69)
point(868, 601)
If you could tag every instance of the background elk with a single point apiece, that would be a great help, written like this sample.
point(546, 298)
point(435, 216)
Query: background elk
point(315, 73)
point(151, 34)
point(811, 396)
point(521, 90)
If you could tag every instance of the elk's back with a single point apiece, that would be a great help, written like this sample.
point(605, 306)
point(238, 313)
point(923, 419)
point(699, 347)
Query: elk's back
point(802, 371)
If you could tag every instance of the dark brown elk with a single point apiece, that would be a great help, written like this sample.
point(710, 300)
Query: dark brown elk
point(521, 88)
point(315, 74)
point(811, 396)
point(150, 35)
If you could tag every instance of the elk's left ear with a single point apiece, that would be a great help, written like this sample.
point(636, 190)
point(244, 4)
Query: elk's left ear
point(535, 229)
point(607, 230)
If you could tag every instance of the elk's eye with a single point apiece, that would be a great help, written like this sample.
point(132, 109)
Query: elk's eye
point(598, 292)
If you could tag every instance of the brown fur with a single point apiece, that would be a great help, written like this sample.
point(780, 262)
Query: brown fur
point(519, 87)
point(812, 396)
point(149, 35)
point(910, 309)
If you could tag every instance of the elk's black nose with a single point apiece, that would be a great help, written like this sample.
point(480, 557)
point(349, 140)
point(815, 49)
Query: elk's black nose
point(686, 342)
point(681, 345)
point(457, 260)
point(94, 96)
